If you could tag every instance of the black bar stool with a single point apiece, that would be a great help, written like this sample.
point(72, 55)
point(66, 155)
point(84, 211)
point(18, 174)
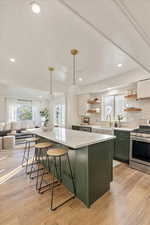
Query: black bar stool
point(41, 159)
point(26, 154)
point(58, 154)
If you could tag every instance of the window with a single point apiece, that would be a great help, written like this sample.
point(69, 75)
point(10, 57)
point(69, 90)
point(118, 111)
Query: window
point(107, 107)
point(119, 106)
point(59, 115)
point(112, 106)
point(24, 110)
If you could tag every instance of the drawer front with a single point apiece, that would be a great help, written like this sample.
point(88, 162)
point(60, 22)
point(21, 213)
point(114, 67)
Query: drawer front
point(121, 152)
point(122, 134)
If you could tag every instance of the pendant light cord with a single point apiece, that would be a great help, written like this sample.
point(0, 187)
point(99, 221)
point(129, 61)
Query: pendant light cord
point(74, 70)
point(51, 69)
point(51, 85)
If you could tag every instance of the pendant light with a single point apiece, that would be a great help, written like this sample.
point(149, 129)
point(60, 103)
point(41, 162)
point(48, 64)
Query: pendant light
point(74, 88)
point(51, 69)
point(35, 7)
point(51, 99)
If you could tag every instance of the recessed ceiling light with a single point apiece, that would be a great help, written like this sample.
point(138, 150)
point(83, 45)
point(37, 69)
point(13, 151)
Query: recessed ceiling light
point(12, 60)
point(119, 65)
point(35, 7)
point(80, 79)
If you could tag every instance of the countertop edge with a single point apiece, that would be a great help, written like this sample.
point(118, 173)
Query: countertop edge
point(106, 128)
point(103, 139)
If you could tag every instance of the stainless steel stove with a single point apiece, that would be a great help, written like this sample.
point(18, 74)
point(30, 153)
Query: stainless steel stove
point(140, 149)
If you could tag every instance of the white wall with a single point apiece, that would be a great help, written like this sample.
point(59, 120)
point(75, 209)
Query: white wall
point(18, 92)
point(2, 109)
point(72, 116)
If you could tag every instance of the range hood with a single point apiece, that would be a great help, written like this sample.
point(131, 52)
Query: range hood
point(143, 89)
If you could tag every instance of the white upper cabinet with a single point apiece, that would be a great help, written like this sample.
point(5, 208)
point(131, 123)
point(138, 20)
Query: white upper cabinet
point(143, 89)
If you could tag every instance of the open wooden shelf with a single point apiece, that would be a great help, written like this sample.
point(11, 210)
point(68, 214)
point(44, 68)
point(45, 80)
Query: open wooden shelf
point(93, 111)
point(93, 102)
point(131, 96)
point(132, 109)
point(146, 98)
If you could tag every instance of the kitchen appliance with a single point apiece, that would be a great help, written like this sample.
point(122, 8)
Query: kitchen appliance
point(85, 120)
point(140, 149)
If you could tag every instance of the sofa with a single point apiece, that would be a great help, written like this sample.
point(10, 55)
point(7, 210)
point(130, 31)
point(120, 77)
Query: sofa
point(5, 128)
point(15, 127)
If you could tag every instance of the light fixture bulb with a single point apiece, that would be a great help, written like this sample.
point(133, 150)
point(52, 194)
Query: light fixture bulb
point(119, 65)
point(12, 60)
point(35, 8)
point(80, 79)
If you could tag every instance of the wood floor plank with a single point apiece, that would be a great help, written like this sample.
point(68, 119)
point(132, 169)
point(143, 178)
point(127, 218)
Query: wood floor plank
point(127, 203)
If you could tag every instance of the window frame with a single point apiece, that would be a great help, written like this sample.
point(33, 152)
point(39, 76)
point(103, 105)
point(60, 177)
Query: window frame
point(114, 108)
point(23, 101)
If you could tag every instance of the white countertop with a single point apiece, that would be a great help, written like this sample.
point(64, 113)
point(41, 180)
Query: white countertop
point(72, 138)
point(124, 128)
point(106, 128)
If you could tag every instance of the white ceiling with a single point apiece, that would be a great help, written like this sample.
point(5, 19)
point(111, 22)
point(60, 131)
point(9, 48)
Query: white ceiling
point(39, 41)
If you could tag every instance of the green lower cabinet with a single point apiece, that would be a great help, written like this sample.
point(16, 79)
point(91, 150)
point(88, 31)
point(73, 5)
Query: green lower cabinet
point(100, 169)
point(79, 165)
point(92, 170)
point(122, 146)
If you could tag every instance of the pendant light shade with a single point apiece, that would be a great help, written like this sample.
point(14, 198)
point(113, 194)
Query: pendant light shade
point(74, 87)
point(35, 7)
point(51, 69)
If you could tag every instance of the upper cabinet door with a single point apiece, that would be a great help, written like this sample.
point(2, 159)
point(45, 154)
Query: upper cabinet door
point(143, 89)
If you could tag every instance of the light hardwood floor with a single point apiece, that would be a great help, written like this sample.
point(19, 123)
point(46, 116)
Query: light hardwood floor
point(127, 203)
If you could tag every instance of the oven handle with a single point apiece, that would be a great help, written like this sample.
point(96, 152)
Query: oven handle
point(147, 140)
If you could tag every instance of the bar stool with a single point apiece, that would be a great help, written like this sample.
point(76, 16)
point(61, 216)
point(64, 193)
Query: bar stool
point(26, 154)
point(40, 156)
point(59, 153)
point(36, 158)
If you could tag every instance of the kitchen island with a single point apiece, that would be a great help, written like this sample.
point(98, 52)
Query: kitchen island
point(91, 157)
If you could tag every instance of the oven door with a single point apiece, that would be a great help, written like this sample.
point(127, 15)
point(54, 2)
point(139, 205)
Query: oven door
point(140, 150)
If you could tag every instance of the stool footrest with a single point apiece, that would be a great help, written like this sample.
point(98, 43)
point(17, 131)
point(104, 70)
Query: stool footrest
point(38, 175)
point(29, 164)
point(61, 204)
point(34, 171)
point(49, 187)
